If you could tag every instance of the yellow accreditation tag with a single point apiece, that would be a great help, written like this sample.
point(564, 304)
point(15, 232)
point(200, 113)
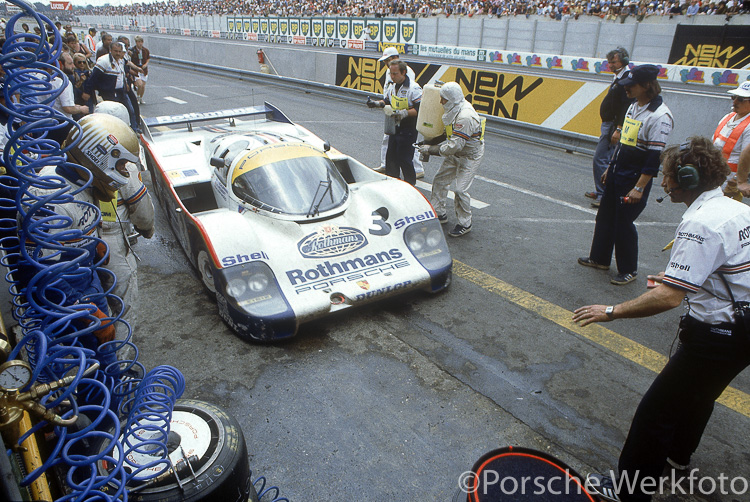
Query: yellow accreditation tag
point(629, 135)
point(108, 209)
point(449, 131)
point(483, 123)
point(399, 103)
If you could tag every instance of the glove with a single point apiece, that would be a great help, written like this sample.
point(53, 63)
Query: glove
point(424, 149)
point(371, 103)
point(401, 114)
point(107, 332)
point(434, 150)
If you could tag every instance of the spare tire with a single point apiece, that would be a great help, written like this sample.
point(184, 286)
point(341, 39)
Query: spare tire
point(222, 471)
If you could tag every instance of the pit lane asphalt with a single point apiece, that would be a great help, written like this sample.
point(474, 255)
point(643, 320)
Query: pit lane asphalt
point(395, 400)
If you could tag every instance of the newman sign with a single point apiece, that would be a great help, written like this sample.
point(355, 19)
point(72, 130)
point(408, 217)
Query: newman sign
point(60, 6)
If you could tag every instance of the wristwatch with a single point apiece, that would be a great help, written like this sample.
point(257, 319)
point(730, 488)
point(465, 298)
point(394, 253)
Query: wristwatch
point(610, 311)
point(638, 189)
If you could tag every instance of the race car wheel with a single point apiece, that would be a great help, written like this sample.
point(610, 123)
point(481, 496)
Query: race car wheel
point(206, 271)
point(222, 471)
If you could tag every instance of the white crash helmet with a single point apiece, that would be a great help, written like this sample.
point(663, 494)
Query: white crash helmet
point(105, 140)
point(113, 108)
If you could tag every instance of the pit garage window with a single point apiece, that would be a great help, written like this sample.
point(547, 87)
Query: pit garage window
point(293, 186)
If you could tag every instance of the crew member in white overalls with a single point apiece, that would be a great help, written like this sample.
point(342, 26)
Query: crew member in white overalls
point(462, 151)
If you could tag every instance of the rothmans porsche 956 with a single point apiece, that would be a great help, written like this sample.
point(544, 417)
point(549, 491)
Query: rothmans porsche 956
point(283, 229)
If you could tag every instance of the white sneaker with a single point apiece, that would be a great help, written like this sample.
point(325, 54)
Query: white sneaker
point(141, 102)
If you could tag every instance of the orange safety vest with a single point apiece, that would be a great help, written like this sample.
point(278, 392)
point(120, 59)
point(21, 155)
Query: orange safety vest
point(734, 136)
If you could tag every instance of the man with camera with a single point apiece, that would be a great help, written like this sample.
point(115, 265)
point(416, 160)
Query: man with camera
point(710, 266)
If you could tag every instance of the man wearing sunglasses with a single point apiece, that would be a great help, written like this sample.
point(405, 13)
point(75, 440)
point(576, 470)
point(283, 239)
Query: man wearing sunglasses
point(732, 136)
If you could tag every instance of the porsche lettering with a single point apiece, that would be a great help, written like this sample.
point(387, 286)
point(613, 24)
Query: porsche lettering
point(332, 269)
point(326, 284)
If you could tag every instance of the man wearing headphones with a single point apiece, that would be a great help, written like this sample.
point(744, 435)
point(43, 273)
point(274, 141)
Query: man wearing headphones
point(612, 112)
point(708, 266)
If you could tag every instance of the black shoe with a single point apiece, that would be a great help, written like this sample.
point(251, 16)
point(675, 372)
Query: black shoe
point(588, 262)
point(459, 230)
point(602, 485)
point(596, 203)
point(443, 219)
point(622, 279)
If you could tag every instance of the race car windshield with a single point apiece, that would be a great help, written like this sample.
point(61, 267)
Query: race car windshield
point(290, 186)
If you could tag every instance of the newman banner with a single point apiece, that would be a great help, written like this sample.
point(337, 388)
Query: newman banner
point(722, 46)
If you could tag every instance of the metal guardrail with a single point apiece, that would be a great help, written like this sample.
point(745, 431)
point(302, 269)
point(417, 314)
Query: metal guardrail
point(569, 141)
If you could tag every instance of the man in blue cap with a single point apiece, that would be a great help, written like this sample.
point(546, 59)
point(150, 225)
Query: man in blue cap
point(643, 136)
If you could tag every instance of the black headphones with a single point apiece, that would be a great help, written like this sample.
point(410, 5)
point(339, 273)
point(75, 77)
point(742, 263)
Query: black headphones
point(624, 58)
point(687, 174)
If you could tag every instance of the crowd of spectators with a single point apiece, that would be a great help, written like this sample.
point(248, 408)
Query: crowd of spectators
point(555, 9)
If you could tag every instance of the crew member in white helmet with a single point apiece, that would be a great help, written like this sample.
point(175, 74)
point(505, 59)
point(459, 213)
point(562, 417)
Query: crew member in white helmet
point(391, 54)
point(120, 230)
point(462, 151)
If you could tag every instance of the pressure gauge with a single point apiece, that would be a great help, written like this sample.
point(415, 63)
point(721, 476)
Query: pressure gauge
point(14, 375)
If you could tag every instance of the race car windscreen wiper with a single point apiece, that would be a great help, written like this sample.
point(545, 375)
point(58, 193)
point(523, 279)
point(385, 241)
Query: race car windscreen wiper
point(315, 208)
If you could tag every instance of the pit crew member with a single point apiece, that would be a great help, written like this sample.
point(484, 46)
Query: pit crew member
point(462, 151)
point(732, 136)
point(628, 179)
point(708, 266)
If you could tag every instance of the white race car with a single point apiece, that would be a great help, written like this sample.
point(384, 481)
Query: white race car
point(282, 228)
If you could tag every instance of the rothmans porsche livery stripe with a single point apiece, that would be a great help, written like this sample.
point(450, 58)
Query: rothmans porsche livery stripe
point(273, 153)
point(735, 269)
point(678, 283)
point(135, 198)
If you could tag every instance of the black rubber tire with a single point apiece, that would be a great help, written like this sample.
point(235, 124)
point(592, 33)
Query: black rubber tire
point(206, 271)
point(222, 472)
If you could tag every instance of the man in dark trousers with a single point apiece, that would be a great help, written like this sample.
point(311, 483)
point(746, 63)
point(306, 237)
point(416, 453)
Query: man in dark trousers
point(708, 266)
point(612, 111)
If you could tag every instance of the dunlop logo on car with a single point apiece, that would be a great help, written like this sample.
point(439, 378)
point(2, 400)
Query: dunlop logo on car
point(332, 241)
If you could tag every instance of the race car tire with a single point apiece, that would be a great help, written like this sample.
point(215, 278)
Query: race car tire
point(222, 472)
point(206, 271)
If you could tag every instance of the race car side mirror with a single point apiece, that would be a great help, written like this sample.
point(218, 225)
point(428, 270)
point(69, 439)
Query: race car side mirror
point(218, 162)
point(326, 146)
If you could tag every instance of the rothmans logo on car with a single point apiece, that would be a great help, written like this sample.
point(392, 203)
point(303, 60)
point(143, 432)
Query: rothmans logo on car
point(330, 241)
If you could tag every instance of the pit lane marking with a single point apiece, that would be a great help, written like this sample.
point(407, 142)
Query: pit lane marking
point(175, 100)
point(478, 204)
point(649, 359)
point(189, 92)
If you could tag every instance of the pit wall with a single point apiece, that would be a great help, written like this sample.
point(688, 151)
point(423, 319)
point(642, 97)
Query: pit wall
point(553, 102)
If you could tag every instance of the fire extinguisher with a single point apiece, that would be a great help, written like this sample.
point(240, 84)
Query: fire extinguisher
point(261, 56)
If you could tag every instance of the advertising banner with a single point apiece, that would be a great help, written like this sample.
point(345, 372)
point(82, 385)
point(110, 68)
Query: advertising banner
point(374, 29)
point(230, 24)
point(294, 27)
point(722, 46)
point(274, 26)
point(343, 27)
point(390, 30)
point(283, 26)
point(407, 31)
point(329, 28)
point(264, 29)
point(528, 98)
point(247, 24)
point(60, 6)
point(317, 28)
point(304, 27)
point(255, 25)
point(358, 29)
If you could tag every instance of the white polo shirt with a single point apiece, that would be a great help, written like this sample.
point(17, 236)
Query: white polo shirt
point(713, 236)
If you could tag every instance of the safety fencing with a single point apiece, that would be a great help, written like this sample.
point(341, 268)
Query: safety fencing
point(378, 34)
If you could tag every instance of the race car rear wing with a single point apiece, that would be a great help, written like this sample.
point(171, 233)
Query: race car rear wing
point(268, 110)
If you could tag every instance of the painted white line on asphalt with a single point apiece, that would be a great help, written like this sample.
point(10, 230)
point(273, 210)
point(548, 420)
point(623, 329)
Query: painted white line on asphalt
point(538, 195)
point(589, 222)
point(189, 92)
point(175, 100)
point(478, 204)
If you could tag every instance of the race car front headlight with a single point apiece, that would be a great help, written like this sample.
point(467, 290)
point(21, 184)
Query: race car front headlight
point(252, 287)
point(236, 288)
point(426, 241)
point(258, 282)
